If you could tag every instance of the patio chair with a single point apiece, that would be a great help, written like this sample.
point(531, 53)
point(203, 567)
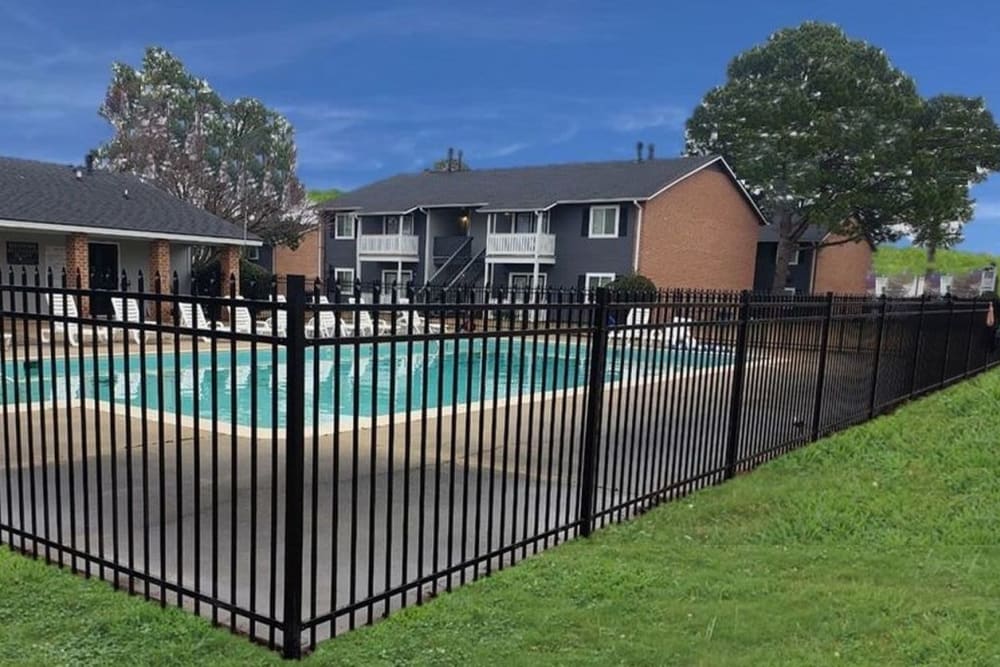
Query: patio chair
point(127, 312)
point(7, 338)
point(193, 317)
point(327, 325)
point(64, 306)
point(367, 326)
point(243, 322)
point(636, 319)
point(421, 324)
point(680, 336)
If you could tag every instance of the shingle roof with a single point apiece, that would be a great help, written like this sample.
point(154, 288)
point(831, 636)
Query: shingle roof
point(520, 188)
point(812, 234)
point(42, 192)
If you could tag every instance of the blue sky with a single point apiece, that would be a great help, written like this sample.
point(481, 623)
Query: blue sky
point(377, 90)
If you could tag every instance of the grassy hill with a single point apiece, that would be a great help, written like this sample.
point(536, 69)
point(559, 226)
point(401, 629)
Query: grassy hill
point(892, 261)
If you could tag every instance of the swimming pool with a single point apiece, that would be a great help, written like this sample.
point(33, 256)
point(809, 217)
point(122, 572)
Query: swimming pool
point(367, 379)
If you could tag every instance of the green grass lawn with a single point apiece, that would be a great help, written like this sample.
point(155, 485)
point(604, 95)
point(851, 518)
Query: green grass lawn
point(878, 546)
point(895, 261)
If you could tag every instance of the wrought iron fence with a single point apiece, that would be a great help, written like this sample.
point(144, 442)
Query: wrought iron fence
point(298, 465)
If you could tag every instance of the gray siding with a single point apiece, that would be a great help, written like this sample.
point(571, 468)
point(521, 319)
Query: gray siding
point(337, 253)
point(578, 254)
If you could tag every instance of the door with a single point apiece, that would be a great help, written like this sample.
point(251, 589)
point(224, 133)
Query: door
point(103, 275)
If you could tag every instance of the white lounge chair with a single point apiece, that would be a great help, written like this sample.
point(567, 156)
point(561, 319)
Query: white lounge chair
point(7, 338)
point(64, 306)
point(243, 322)
point(193, 317)
point(367, 324)
point(327, 325)
point(680, 336)
point(127, 312)
point(420, 323)
point(635, 322)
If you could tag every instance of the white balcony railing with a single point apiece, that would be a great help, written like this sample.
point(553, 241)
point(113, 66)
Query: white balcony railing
point(521, 245)
point(388, 245)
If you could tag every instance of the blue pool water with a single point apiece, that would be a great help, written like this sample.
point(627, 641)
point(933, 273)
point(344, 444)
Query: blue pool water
point(441, 373)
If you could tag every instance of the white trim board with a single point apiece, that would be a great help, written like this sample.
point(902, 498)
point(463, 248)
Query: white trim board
point(21, 225)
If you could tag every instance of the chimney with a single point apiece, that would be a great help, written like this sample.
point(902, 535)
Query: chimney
point(90, 162)
point(651, 152)
point(459, 167)
point(638, 151)
point(451, 160)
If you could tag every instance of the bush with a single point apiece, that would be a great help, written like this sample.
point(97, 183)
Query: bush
point(632, 282)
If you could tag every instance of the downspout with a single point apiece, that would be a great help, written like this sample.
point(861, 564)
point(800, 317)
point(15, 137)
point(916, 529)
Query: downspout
point(638, 236)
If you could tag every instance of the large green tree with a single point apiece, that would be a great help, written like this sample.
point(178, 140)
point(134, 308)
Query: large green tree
point(818, 126)
point(956, 143)
point(234, 159)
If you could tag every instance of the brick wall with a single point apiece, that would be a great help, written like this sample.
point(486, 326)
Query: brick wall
point(304, 260)
point(701, 233)
point(229, 260)
point(159, 263)
point(842, 269)
point(78, 263)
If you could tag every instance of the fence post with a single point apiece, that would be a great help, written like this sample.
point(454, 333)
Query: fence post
point(736, 396)
point(824, 344)
point(879, 332)
point(916, 346)
point(947, 338)
point(595, 405)
point(972, 330)
point(295, 288)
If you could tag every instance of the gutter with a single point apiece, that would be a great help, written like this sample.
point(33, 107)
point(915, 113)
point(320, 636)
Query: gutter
point(638, 236)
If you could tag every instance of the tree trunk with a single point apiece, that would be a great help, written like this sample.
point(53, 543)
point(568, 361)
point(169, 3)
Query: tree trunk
point(788, 240)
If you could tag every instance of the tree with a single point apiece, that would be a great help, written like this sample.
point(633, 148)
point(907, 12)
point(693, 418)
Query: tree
point(956, 143)
point(818, 127)
point(451, 162)
point(236, 159)
point(320, 196)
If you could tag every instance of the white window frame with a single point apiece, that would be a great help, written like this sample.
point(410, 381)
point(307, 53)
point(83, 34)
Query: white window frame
point(604, 235)
point(796, 256)
point(345, 270)
point(253, 253)
point(387, 284)
point(587, 277)
point(543, 279)
point(406, 220)
point(791, 291)
point(348, 217)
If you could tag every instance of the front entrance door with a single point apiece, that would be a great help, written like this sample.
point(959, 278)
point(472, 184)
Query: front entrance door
point(103, 275)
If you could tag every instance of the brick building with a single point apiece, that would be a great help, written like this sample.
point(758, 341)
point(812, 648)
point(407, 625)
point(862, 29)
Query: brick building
point(683, 222)
point(97, 224)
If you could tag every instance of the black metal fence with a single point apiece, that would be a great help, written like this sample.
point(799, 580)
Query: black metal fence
point(305, 464)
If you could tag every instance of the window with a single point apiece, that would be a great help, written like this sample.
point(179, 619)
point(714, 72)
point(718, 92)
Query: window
point(522, 281)
point(790, 291)
point(594, 280)
point(22, 254)
point(253, 253)
point(344, 278)
point(794, 260)
point(524, 223)
point(389, 278)
point(390, 224)
point(343, 226)
point(603, 222)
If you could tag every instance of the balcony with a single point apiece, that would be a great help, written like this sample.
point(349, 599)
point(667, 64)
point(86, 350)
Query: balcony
point(388, 247)
point(522, 247)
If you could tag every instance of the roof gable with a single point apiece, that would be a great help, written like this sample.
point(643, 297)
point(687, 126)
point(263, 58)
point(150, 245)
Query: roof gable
point(51, 194)
point(521, 188)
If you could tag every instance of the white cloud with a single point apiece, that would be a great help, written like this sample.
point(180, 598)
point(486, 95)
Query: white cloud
point(989, 210)
point(666, 116)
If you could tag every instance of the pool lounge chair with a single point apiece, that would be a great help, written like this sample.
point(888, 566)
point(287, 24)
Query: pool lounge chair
point(243, 322)
point(421, 324)
point(7, 338)
point(327, 325)
point(127, 312)
point(635, 323)
point(64, 305)
point(193, 317)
